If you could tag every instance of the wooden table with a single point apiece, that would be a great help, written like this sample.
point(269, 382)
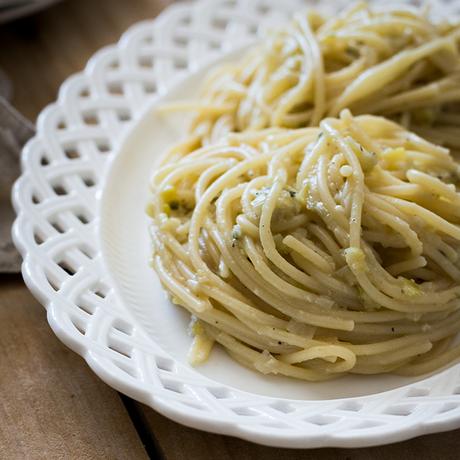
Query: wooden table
point(52, 405)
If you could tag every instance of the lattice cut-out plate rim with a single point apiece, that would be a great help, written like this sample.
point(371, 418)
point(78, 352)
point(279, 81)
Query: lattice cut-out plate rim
point(56, 198)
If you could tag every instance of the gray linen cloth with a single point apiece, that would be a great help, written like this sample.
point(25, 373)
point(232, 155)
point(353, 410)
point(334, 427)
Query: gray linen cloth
point(15, 130)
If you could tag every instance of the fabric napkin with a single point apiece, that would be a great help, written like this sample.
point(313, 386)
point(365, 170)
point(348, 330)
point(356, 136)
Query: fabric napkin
point(15, 130)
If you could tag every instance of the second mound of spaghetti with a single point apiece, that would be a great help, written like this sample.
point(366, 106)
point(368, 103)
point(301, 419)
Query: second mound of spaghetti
point(380, 60)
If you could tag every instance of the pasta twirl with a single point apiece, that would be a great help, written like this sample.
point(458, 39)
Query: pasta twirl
point(315, 252)
point(391, 62)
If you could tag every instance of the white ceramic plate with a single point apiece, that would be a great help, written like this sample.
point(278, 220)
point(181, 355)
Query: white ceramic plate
point(83, 234)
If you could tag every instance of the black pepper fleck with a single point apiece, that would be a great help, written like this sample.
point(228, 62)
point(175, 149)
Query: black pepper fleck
point(174, 205)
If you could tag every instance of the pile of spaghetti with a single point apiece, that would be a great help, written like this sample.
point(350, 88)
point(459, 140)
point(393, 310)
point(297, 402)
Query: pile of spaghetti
point(317, 251)
point(390, 62)
point(308, 242)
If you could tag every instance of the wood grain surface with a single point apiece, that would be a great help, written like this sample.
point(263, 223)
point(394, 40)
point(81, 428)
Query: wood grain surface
point(52, 405)
point(40, 52)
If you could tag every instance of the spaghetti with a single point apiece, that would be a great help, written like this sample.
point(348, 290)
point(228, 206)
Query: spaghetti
point(391, 62)
point(315, 252)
